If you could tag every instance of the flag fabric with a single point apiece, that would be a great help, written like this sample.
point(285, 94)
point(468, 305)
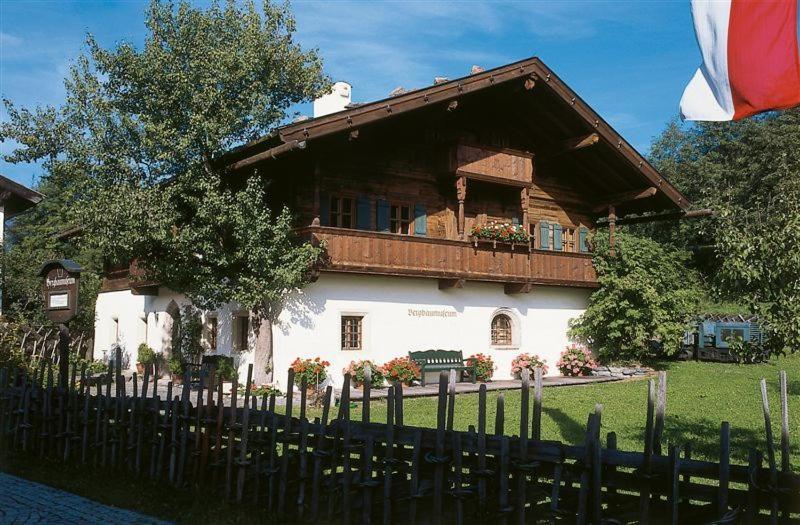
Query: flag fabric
point(751, 59)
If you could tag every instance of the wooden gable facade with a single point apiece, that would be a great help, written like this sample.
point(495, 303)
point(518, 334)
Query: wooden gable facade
point(395, 187)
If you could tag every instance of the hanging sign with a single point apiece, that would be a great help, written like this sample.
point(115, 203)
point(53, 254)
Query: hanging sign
point(60, 289)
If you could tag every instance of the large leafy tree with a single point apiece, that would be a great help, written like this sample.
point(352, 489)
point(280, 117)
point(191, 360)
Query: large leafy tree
point(646, 296)
point(144, 126)
point(749, 173)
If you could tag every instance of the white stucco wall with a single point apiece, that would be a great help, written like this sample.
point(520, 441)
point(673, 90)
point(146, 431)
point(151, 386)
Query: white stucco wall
point(310, 324)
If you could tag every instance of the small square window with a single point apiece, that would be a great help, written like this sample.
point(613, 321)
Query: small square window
point(352, 332)
point(400, 219)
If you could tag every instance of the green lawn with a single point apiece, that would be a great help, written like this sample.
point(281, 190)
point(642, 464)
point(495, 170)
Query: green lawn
point(700, 396)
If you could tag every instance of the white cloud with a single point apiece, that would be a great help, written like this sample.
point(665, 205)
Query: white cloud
point(7, 39)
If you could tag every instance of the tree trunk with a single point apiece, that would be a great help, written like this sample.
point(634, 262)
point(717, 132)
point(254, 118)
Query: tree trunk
point(262, 360)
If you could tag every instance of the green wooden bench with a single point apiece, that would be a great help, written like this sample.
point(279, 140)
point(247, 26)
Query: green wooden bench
point(438, 360)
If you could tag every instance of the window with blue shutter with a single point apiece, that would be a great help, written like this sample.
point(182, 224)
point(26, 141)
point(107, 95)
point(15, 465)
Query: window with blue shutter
point(544, 235)
point(515, 221)
point(420, 220)
point(583, 233)
point(382, 221)
point(557, 240)
point(363, 215)
point(324, 209)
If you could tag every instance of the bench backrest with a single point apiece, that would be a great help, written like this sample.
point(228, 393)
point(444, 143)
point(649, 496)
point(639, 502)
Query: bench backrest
point(438, 357)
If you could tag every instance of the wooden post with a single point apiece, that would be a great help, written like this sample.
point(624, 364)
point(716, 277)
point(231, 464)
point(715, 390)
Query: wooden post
point(461, 195)
point(524, 199)
point(316, 220)
point(612, 226)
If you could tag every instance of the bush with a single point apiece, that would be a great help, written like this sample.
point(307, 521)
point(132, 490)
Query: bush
point(175, 365)
point(401, 370)
point(225, 369)
point(261, 390)
point(315, 371)
point(575, 361)
point(531, 362)
point(146, 355)
point(646, 294)
point(357, 370)
point(482, 366)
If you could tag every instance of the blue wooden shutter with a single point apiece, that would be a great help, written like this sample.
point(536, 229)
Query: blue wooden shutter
point(583, 233)
point(420, 220)
point(363, 208)
point(324, 209)
point(383, 215)
point(557, 242)
point(515, 221)
point(544, 235)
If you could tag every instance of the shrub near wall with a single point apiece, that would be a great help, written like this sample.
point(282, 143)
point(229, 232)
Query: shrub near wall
point(647, 293)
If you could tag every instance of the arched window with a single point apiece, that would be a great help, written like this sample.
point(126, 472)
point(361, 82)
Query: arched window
point(501, 330)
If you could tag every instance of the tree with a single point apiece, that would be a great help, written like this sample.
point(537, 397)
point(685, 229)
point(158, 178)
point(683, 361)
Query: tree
point(145, 127)
point(646, 295)
point(748, 172)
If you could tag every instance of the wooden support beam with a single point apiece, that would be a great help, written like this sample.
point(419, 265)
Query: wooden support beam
point(271, 153)
point(317, 177)
point(693, 214)
point(446, 284)
point(461, 195)
point(515, 288)
point(626, 196)
point(612, 224)
point(575, 143)
point(530, 82)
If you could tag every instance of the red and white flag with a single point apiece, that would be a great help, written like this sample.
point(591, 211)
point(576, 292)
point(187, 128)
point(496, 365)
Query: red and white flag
point(751, 59)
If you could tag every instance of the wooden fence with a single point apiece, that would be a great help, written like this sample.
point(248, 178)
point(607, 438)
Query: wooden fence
point(331, 469)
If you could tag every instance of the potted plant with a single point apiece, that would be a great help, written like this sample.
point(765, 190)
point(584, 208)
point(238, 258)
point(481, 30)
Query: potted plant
point(176, 368)
point(315, 371)
point(481, 366)
point(526, 360)
point(576, 361)
point(145, 359)
point(358, 372)
point(401, 370)
point(225, 373)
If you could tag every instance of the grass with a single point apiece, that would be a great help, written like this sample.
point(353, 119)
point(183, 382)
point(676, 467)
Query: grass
point(700, 396)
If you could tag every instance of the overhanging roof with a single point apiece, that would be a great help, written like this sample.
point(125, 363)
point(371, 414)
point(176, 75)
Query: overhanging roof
point(296, 135)
point(16, 198)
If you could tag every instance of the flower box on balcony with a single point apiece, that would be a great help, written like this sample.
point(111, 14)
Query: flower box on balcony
point(503, 233)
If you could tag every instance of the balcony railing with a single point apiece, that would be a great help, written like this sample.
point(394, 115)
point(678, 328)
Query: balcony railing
point(370, 252)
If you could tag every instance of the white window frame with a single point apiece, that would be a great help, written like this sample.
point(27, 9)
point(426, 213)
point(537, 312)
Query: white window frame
point(516, 333)
point(365, 330)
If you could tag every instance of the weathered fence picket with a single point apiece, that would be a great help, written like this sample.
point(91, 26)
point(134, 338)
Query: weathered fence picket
point(296, 466)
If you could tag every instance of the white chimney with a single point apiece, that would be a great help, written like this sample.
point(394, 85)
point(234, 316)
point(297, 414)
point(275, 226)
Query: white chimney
point(336, 100)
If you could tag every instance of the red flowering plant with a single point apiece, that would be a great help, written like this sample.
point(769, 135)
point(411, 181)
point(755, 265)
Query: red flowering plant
point(576, 360)
point(531, 362)
point(401, 370)
point(482, 366)
point(358, 372)
point(500, 231)
point(315, 371)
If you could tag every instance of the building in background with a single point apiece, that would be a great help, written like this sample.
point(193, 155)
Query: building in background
point(14, 199)
point(454, 216)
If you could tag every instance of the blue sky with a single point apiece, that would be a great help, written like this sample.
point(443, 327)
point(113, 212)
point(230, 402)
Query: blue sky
point(630, 60)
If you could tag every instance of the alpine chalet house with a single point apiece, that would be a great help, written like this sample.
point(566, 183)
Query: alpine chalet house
point(406, 195)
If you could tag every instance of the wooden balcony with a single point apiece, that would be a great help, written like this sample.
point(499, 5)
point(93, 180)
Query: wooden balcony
point(370, 252)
